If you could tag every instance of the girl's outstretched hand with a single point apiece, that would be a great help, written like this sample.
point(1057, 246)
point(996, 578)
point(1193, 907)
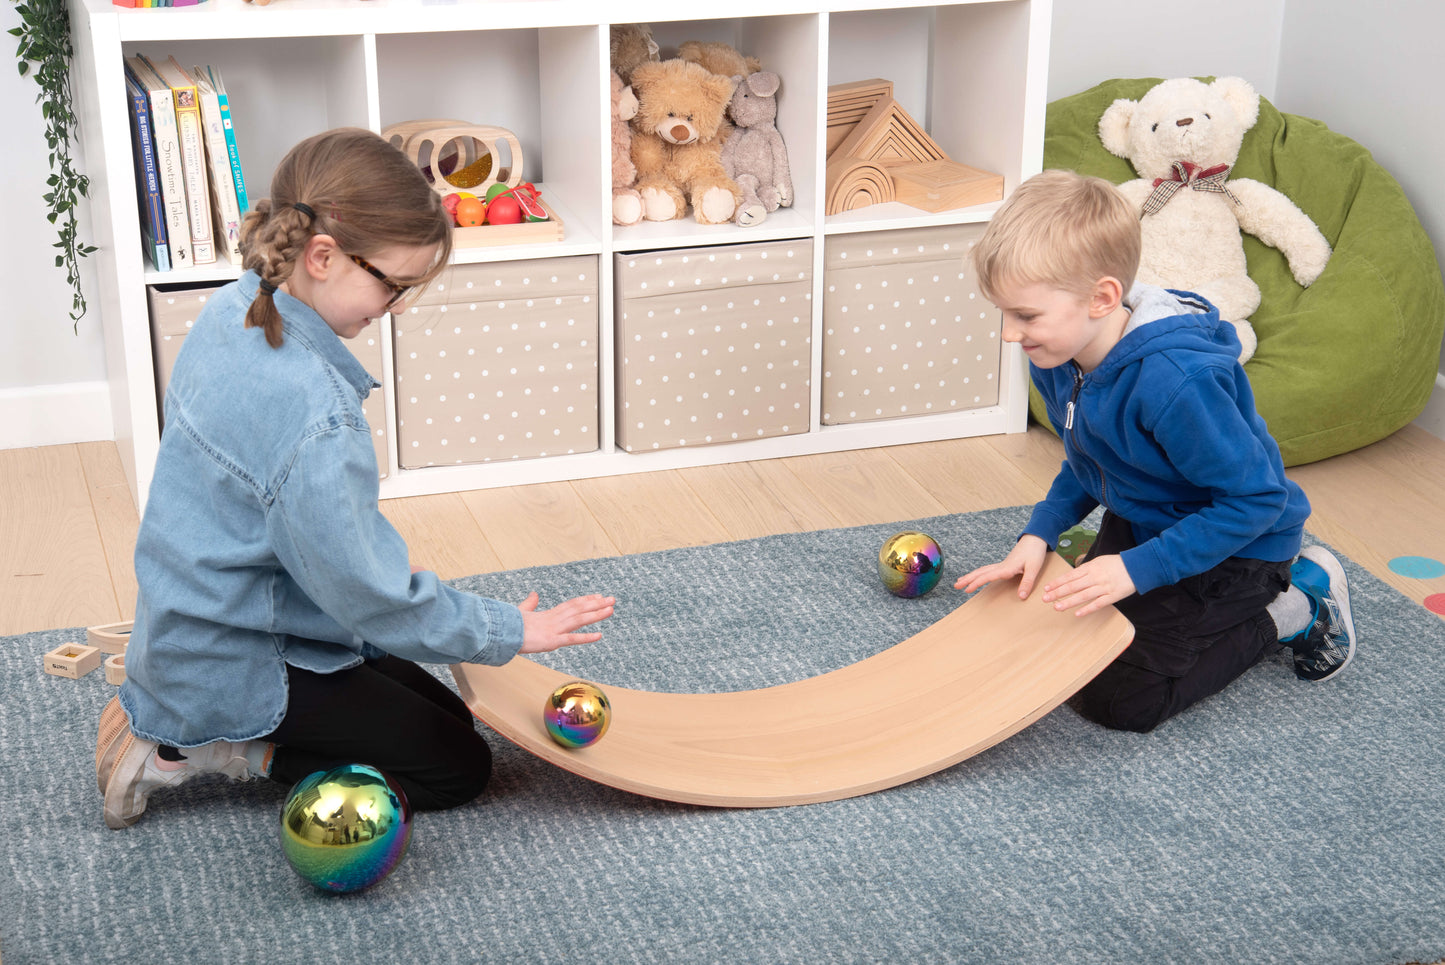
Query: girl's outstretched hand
point(544, 630)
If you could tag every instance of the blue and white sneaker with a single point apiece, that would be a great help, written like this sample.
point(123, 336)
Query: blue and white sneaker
point(1329, 643)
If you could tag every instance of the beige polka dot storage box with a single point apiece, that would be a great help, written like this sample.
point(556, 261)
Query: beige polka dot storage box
point(499, 361)
point(173, 310)
point(905, 330)
point(713, 344)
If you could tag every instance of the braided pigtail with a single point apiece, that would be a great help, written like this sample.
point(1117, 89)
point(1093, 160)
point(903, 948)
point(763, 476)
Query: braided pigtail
point(273, 237)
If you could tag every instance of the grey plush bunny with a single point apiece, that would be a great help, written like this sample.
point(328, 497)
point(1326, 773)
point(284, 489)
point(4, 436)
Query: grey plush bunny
point(754, 155)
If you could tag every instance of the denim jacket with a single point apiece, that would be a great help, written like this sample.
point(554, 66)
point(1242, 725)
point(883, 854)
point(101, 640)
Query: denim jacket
point(262, 543)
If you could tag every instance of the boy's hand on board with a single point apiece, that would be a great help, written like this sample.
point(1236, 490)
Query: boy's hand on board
point(1025, 560)
point(1091, 586)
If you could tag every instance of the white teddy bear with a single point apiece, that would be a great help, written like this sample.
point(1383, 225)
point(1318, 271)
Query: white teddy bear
point(1182, 137)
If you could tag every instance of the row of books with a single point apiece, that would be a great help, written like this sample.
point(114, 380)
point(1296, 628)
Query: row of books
point(155, 3)
point(189, 183)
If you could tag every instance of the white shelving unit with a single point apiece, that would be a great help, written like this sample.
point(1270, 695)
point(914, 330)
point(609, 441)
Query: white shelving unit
point(972, 72)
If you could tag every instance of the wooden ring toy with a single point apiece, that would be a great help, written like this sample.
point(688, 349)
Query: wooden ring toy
point(110, 637)
point(427, 142)
point(73, 660)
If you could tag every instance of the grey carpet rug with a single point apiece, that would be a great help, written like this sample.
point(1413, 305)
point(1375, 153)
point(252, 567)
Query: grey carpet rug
point(1276, 822)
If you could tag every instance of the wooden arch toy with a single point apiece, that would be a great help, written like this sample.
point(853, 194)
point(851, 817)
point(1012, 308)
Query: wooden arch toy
point(856, 183)
point(987, 670)
point(425, 143)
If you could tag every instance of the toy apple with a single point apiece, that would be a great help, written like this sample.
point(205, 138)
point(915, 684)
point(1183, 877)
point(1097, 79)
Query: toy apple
point(504, 209)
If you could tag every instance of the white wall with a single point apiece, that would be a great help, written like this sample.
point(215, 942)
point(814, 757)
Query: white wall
point(1095, 40)
point(1367, 70)
point(1373, 73)
point(38, 345)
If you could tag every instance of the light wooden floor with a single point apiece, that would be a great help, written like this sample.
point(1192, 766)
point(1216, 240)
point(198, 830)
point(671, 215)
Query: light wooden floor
point(67, 524)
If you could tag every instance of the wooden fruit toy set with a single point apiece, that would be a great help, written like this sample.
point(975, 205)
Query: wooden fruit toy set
point(477, 170)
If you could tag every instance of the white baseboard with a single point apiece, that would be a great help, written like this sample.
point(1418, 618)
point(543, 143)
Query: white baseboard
point(52, 415)
point(1432, 420)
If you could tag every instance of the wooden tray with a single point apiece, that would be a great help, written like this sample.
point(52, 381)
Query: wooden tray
point(527, 232)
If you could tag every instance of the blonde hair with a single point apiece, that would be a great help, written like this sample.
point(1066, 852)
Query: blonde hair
point(1060, 229)
point(350, 184)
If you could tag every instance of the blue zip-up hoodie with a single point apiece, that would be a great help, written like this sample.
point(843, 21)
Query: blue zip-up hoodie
point(1164, 434)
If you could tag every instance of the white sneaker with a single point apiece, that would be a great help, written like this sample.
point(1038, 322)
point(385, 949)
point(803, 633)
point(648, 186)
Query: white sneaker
point(138, 769)
point(113, 727)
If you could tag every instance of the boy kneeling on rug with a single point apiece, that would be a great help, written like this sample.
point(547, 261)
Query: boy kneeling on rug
point(1200, 541)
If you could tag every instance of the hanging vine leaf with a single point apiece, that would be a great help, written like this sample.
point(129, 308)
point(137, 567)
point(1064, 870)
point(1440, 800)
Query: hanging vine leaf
point(44, 43)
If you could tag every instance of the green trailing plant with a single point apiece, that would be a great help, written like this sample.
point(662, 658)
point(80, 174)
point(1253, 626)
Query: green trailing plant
point(44, 35)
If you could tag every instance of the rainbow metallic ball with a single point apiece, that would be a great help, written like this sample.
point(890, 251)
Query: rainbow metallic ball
point(910, 563)
point(577, 714)
point(345, 829)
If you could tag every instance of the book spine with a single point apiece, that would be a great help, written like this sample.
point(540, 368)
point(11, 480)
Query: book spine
point(223, 191)
point(168, 167)
point(193, 166)
point(188, 123)
point(242, 202)
point(152, 212)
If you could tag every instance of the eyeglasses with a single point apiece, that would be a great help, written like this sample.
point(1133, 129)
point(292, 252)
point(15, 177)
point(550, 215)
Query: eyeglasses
point(398, 292)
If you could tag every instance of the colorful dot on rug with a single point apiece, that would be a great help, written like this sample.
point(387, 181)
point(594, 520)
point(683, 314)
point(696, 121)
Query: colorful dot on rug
point(1417, 567)
point(1435, 603)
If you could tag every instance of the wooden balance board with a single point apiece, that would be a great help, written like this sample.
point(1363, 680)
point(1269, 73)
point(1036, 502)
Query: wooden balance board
point(981, 674)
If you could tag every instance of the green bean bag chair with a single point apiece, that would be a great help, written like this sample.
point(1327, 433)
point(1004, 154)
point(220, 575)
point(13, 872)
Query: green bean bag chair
point(1350, 359)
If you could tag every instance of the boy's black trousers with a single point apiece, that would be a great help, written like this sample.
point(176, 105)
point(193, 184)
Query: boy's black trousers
point(1190, 639)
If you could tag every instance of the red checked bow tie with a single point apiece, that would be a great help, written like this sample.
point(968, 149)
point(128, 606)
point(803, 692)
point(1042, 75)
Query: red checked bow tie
point(1188, 174)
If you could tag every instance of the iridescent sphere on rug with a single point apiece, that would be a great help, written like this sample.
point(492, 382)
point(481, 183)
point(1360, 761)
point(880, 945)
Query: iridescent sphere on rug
point(910, 563)
point(577, 714)
point(346, 828)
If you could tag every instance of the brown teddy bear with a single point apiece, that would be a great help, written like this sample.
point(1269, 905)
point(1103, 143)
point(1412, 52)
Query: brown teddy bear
point(626, 201)
point(677, 139)
point(630, 44)
point(718, 57)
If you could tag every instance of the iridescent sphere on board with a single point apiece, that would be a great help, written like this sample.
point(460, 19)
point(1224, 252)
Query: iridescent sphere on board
point(910, 563)
point(346, 828)
point(577, 714)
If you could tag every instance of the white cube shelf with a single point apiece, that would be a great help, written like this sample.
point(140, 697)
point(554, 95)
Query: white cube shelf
point(972, 73)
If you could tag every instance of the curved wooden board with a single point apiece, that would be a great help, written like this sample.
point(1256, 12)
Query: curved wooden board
point(981, 674)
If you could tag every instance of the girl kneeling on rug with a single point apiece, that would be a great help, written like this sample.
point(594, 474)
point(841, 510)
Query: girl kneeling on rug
point(279, 622)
